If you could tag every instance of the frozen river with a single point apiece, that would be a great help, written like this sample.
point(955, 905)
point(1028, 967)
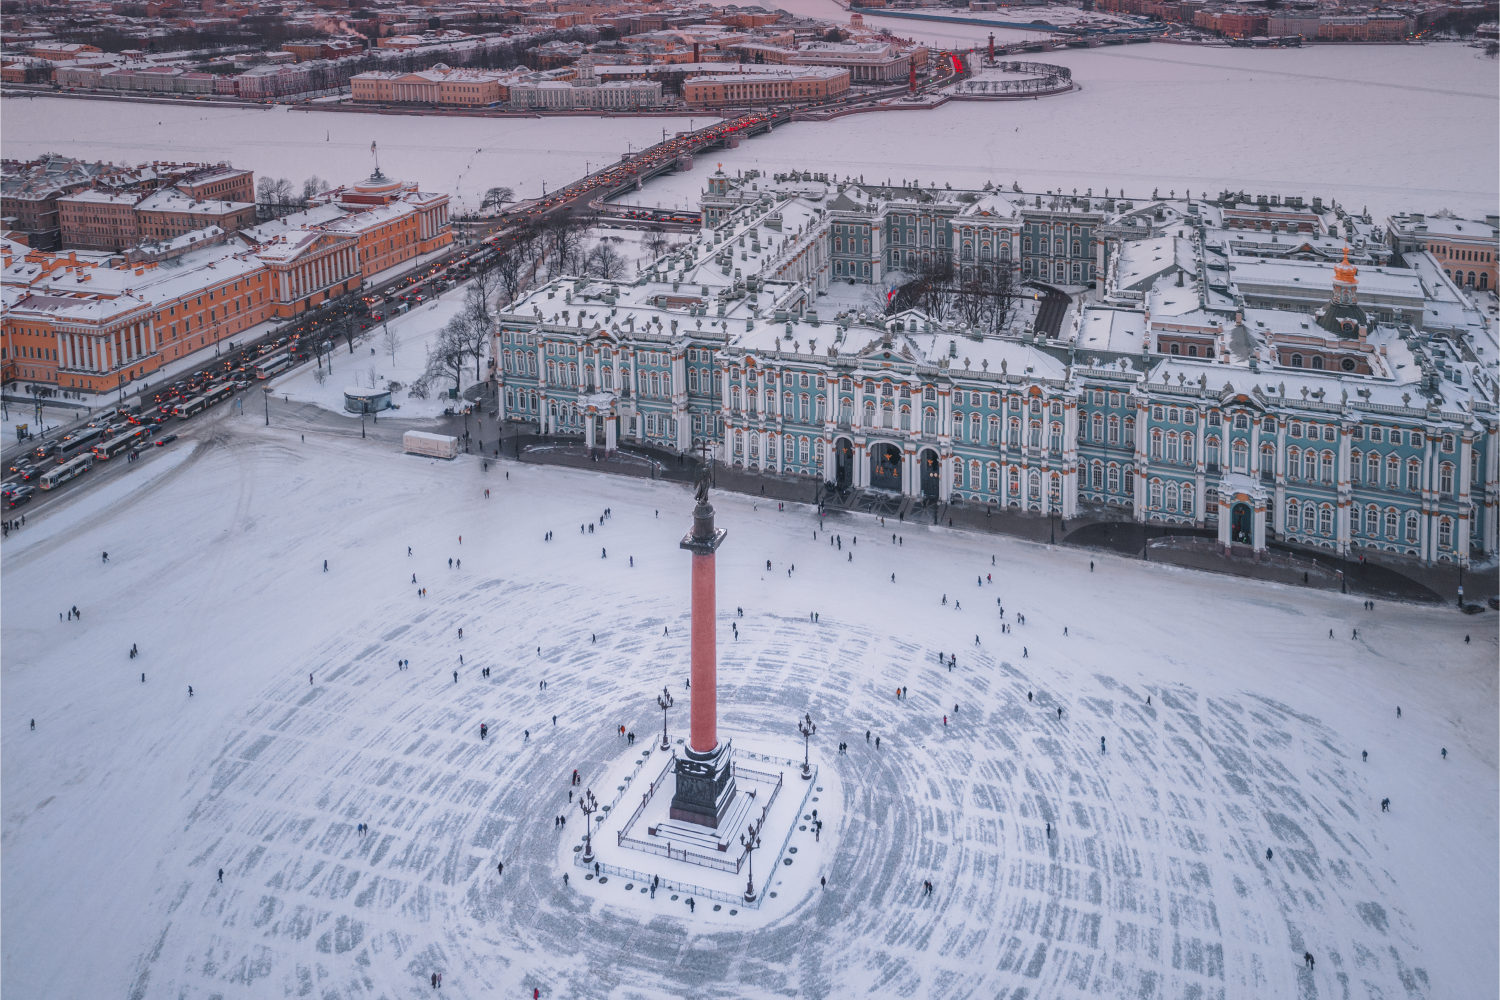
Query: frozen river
point(1388, 127)
point(1234, 724)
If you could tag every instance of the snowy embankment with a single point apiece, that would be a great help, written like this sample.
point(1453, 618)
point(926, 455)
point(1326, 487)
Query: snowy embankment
point(129, 797)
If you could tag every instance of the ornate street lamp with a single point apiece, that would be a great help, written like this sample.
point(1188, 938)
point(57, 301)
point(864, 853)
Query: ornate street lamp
point(664, 702)
point(750, 840)
point(806, 727)
point(587, 805)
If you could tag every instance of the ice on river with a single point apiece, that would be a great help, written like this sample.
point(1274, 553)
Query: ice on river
point(127, 799)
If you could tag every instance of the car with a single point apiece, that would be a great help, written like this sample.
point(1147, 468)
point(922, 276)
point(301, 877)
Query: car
point(163, 442)
point(18, 497)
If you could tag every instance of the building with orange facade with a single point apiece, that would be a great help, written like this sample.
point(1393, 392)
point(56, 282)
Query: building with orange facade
point(82, 327)
point(797, 85)
point(99, 219)
point(1464, 248)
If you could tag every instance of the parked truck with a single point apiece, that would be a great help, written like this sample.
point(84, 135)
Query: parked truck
point(431, 445)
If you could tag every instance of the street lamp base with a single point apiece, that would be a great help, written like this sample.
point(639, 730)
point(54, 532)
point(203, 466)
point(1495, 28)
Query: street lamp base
point(806, 772)
point(588, 857)
point(749, 897)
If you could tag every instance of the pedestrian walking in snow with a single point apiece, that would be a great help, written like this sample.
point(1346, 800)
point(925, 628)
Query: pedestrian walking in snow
point(1385, 805)
point(1268, 854)
point(1059, 713)
point(33, 725)
point(1365, 754)
point(877, 743)
point(1307, 959)
point(1398, 711)
point(143, 678)
point(106, 557)
point(1049, 831)
point(325, 565)
point(1445, 749)
point(1101, 744)
point(190, 690)
point(1025, 654)
point(455, 676)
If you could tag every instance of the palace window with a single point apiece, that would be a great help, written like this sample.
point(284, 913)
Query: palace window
point(1241, 452)
point(993, 479)
point(1445, 478)
point(1114, 478)
point(1445, 533)
point(1413, 475)
point(1187, 499)
point(1114, 430)
point(1411, 526)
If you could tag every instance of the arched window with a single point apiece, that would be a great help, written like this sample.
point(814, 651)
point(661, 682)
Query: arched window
point(1355, 466)
point(1057, 438)
point(1155, 494)
point(967, 251)
point(1114, 478)
point(1445, 478)
point(1156, 450)
point(1187, 500)
point(1188, 455)
point(974, 428)
point(1097, 428)
point(1097, 475)
point(1174, 448)
point(1241, 452)
point(1292, 507)
point(1241, 422)
point(1114, 430)
point(1413, 475)
point(1317, 362)
point(1077, 248)
point(1327, 470)
point(929, 421)
point(1393, 473)
point(1054, 489)
point(1035, 486)
point(906, 418)
point(958, 426)
point(1309, 518)
point(1014, 480)
point(1172, 497)
point(1390, 523)
point(1372, 468)
point(994, 426)
point(993, 483)
point(1267, 461)
point(1036, 434)
point(1296, 361)
point(734, 399)
point(974, 475)
point(1411, 527)
point(869, 413)
point(1325, 519)
point(1130, 432)
point(1310, 465)
point(1445, 533)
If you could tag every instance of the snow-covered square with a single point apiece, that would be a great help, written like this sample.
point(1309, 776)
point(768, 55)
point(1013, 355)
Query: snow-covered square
point(1153, 784)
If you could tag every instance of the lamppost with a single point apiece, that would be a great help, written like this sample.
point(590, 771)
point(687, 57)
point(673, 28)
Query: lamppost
point(664, 702)
point(266, 397)
point(587, 804)
point(750, 840)
point(806, 727)
point(1052, 526)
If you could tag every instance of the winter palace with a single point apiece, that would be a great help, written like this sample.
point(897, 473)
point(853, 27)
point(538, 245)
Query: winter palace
point(1270, 369)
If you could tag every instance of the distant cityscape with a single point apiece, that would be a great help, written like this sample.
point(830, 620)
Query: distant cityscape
point(644, 56)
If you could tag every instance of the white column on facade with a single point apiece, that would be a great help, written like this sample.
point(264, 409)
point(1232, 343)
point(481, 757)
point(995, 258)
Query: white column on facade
point(1465, 504)
point(1429, 499)
point(588, 430)
point(1345, 491)
point(1070, 457)
point(1142, 467)
point(1279, 515)
point(1200, 452)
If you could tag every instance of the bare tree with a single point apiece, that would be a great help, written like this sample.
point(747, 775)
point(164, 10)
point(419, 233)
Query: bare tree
point(312, 187)
point(496, 197)
point(655, 243)
point(604, 261)
point(449, 356)
point(391, 341)
point(564, 242)
point(474, 335)
point(508, 265)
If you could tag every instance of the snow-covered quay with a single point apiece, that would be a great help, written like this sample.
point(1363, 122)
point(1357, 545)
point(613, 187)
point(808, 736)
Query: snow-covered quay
point(1234, 726)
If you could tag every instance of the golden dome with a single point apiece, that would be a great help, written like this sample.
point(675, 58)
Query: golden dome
point(1345, 272)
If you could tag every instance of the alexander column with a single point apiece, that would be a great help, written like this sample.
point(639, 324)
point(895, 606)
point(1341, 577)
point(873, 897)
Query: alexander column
point(705, 780)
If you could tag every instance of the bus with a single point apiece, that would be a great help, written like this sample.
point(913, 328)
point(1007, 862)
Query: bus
point(218, 394)
point(61, 474)
point(121, 442)
point(79, 440)
point(188, 407)
point(273, 365)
